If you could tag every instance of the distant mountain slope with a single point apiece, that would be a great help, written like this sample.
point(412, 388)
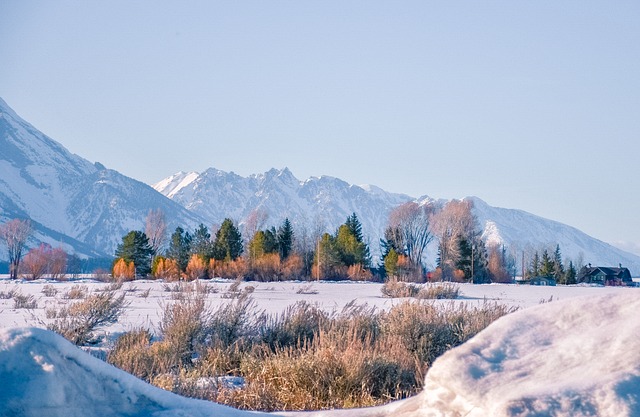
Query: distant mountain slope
point(216, 194)
point(524, 231)
point(84, 207)
point(325, 201)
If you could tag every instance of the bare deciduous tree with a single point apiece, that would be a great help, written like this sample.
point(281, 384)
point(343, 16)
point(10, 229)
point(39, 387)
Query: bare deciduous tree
point(454, 222)
point(156, 230)
point(44, 260)
point(15, 234)
point(255, 221)
point(411, 223)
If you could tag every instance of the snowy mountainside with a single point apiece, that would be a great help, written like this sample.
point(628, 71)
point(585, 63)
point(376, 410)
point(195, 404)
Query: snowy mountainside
point(328, 201)
point(83, 207)
point(325, 201)
point(522, 231)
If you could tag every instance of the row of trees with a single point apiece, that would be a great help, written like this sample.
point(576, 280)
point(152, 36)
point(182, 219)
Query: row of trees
point(549, 266)
point(277, 253)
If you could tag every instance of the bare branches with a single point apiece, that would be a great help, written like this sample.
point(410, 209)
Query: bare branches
point(156, 230)
point(15, 234)
point(410, 223)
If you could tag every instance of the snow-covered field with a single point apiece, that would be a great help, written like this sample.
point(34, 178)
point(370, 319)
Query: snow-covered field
point(578, 355)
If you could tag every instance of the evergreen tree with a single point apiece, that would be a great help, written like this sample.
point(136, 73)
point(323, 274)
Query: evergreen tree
point(546, 265)
point(570, 274)
point(558, 268)
point(355, 227)
point(256, 245)
point(228, 242)
point(285, 239)
point(327, 258)
point(135, 248)
point(391, 263)
point(463, 260)
point(534, 271)
point(180, 248)
point(270, 244)
point(351, 250)
point(391, 241)
point(201, 243)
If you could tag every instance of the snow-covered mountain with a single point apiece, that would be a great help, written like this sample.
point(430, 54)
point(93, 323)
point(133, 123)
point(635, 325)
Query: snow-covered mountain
point(324, 202)
point(216, 194)
point(83, 207)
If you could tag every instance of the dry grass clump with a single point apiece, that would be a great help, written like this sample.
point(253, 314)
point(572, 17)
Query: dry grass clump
point(437, 291)
point(398, 289)
point(76, 292)
point(302, 359)
point(49, 290)
point(26, 301)
point(79, 321)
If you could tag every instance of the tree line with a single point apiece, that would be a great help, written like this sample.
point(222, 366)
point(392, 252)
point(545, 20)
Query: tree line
point(281, 253)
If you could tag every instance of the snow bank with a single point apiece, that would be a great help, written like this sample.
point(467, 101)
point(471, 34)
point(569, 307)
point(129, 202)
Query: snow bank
point(576, 357)
point(43, 375)
point(579, 357)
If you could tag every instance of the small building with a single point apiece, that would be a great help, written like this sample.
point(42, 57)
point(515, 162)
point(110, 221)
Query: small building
point(605, 275)
point(545, 281)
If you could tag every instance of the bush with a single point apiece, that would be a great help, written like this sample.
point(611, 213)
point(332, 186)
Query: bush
point(76, 292)
point(296, 326)
point(49, 290)
point(78, 322)
point(396, 289)
point(183, 327)
point(445, 290)
point(24, 301)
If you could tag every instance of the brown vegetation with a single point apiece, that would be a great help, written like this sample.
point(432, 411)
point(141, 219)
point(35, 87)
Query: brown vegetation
point(302, 359)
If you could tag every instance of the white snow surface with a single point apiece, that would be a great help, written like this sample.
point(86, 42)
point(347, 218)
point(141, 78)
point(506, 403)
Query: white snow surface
point(577, 356)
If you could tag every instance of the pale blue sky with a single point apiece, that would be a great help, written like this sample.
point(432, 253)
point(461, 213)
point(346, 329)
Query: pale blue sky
point(530, 105)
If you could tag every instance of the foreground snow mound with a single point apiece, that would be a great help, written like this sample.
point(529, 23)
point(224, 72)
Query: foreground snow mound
point(43, 375)
point(579, 357)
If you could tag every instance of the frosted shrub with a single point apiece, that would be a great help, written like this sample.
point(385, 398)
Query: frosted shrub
point(396, 289)
point(24, 301)
point(445, 290)
point(78, 321)
point(49, 290)
point(77, 292)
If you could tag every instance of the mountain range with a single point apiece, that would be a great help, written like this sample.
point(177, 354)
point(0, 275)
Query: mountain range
point(86, 208)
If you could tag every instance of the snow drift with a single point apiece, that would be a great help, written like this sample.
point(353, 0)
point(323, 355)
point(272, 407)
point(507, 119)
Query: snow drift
point(577, 357)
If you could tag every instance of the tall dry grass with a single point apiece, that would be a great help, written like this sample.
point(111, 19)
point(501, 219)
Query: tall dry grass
point(302, 359)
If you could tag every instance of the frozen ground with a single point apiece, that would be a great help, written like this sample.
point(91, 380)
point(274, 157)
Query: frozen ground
point(576, 356)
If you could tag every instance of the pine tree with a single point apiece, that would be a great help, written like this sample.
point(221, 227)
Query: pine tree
point(201, 243)
point(464, 258)
point(180, 247)
point(135, 248)
point(558, 268)
point(228, 242)
point(391, 263)
point(534, 270)
point(285, 239)
point(570, 274)
point(546, 265)
point(355, 227)
point(327, 258)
